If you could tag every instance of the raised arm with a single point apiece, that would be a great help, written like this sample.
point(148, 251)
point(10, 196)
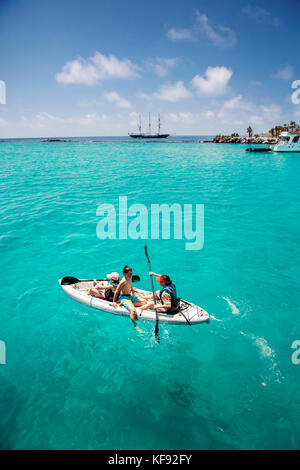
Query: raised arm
point(116, 294)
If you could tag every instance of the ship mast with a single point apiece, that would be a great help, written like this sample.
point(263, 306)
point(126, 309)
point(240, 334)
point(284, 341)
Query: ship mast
point(158, 123)
point(149, 124)
point(140, 124)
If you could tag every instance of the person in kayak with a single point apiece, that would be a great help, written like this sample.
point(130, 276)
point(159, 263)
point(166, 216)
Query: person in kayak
point(167, 295)
point(105, 289)
point(127, 297)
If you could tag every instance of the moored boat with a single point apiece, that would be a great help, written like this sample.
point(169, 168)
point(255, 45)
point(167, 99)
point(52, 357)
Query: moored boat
point(288, 142)
point(148, 135)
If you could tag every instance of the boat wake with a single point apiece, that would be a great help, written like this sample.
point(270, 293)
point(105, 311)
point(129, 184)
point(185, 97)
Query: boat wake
point(215, 318)
point(268, 353)
point(234, 309)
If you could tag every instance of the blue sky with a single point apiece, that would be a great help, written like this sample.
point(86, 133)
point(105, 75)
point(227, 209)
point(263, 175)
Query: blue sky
point(87, 67)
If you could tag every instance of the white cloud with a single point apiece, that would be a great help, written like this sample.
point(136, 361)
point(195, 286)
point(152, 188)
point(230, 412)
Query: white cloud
point(46, 116)
point(41, 120)
point(297, 113)
point(214, 82)
point(94, 69)
point(285, 73)
point(161, 66)
point(181, 116)
point(173, 117)
point(144, 96)
point(168, 92)
point(172, 93)
point(114, 97)
point(88, 103)
point(234, 103)
point(237, 103)
point(261, 15)
point(271, 112)
point(2, 121)
point(208, 114)
point(89, 119)
point(49, 123)
point(133, 119)
point(267, 116)
point(178, 34)
point(237, 112)
point(256, 119)
point(219, 35)
point(187, 116)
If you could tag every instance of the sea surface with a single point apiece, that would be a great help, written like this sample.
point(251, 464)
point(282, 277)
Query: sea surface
point(77, 378)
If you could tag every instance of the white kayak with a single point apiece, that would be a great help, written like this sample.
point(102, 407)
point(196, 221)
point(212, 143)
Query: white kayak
point(188, 312)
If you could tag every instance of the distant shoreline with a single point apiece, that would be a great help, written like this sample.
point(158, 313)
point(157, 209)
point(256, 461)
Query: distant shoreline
point(245, 140)
point(125, 139)
point(107, 139)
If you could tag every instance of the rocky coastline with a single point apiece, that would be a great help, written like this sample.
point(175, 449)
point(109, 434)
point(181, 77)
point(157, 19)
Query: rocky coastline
point(245, 140)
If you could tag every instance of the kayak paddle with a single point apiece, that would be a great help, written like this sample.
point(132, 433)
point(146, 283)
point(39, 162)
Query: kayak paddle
point(154, 299)
point(68, 280)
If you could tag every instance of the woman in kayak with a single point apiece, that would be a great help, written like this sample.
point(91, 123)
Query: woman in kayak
point(128, 297)
point(103, 289)
point(167, 295)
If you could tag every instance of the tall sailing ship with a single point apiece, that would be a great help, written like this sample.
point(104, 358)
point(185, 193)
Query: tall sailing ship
point(148, 135)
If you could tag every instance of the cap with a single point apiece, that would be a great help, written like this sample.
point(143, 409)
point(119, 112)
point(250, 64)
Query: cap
point(163, 279)
point(113, 276)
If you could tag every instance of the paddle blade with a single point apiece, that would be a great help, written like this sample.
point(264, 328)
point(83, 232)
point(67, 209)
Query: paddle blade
point(136, 278)
point(146, 253)
point(69, 280)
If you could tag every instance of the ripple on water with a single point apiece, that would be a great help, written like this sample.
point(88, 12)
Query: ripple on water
point(76, 378)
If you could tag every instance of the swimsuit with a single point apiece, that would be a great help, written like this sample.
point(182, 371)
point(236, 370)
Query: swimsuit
point(128, 300)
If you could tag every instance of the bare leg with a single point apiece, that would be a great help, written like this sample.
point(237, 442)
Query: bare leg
point(151, 305)
point(159, 309)
point(147, 306)
point(132, 311)
point(163, 310)
point(95, 292)
point(139, 303)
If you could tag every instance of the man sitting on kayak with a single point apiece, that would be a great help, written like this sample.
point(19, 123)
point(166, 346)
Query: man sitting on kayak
point(105, 289)
point(128, 297)
point(167, 295)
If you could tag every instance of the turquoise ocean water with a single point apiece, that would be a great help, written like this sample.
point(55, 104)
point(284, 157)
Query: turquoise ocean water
point(78, 378)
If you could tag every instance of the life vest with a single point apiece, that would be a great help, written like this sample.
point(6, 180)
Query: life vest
point(171, 289)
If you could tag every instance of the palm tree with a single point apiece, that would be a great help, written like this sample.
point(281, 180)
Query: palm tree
point(293, 125)
point(249, 130)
